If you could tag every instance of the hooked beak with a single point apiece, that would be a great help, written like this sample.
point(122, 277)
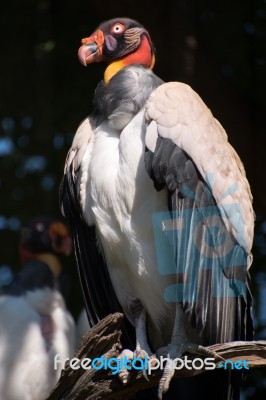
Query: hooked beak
point(67, 246)
point(91, 49)
point(60, 239)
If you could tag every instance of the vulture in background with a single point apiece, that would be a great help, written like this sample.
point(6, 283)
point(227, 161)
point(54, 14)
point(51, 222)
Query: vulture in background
point(47, 239)
point(161, 214)
point(35, 324)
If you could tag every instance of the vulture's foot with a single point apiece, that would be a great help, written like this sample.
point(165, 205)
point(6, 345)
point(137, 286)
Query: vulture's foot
point(124, 373)
point(177, 350)
point(174, 351)
point(137, 314)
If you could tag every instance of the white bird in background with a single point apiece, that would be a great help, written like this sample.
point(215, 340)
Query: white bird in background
point(161, 213)
point(35, 325)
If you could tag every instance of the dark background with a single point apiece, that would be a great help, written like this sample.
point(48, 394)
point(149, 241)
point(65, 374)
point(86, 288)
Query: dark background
point(218, 47)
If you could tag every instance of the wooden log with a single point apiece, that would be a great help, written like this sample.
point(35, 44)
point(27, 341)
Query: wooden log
point(104, 340)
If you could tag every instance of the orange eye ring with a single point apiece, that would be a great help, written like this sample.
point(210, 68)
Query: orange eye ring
point(118, 28)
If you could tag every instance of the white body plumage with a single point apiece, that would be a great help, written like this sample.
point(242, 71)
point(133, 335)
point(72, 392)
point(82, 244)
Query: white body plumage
point(121, 201)
point(26, 358)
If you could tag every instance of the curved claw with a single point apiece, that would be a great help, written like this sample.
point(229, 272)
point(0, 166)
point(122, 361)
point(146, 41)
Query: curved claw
point(145, 375)
point(124, 376)
point(202, 351)
point(168, 374)
point(173, 351)
point(140, 353)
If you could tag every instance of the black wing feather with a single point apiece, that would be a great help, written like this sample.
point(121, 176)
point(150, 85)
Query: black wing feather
point(99, 296)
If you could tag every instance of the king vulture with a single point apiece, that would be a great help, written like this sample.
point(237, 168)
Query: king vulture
point(47, 239)
point(161, 213)
point(35, 324)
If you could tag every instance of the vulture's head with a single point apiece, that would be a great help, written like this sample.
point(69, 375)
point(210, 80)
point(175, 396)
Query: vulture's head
point(44, 236)
point(118, 42)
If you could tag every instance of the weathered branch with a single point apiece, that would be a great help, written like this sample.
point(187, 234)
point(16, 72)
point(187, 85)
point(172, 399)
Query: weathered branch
point(104, 339)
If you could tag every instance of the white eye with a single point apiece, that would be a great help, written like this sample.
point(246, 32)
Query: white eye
point(118, 28)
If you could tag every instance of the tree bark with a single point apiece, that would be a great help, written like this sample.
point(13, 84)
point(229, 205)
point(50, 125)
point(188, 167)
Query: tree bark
point(104, 340)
